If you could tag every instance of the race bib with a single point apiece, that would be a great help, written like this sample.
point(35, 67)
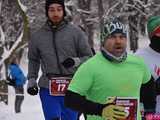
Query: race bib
point(130, 104)
point(58, 85)
point(152, 117)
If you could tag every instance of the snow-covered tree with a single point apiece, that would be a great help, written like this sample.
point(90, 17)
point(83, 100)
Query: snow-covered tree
point(13, 31)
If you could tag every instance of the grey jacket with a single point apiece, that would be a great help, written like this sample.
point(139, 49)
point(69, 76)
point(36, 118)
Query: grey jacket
point(70, 42)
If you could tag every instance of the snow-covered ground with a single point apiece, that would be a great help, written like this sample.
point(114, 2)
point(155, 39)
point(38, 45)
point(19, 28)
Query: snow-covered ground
point(31, 107)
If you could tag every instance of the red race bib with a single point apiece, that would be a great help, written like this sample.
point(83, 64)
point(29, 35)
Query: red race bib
point(130, 104)
point(58, 85)
point(153, 116)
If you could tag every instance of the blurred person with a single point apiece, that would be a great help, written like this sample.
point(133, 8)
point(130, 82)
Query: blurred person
point(59, 47)
point(151, 55)
point(112, 72)
point(19, 80)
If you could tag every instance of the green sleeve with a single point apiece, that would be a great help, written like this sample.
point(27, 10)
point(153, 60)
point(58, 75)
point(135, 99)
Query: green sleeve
point(82, 80)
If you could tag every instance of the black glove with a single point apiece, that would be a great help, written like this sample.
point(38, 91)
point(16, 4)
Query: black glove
point(69, 62)
point(32, 87)
point(10, 82)
point(33, 90)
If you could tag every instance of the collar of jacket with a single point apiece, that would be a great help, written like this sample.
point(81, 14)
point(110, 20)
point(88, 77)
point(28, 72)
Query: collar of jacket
point(51, 26)
point(13, 64)
point(113, 58)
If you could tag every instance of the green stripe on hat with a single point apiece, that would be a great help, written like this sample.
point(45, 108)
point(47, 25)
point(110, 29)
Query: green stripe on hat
point(152, 24)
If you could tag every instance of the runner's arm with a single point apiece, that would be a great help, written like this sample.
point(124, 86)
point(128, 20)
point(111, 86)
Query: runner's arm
point(80, 103)
point(148, 96)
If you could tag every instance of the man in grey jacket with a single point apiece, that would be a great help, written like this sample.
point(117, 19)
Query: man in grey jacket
point(58, 48)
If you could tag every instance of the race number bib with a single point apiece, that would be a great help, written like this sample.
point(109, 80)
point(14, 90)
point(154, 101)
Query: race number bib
point(152, 116)
point(58, 85)
point(131, 106)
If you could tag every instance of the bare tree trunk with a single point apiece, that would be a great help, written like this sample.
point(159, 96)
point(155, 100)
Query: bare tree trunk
point(100, 14)
point(133, 32)
point(86, 5)
point(3, 85)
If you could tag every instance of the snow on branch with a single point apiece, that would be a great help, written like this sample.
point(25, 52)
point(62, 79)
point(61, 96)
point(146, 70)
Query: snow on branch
point(141, 3)
point(32, 6)
point(111, 9)
point(70, 3)
point(139, 10)
point(94, 20)
point(68, 11)
point(84, 11)
point(7, 53)
point(24, 8)
point(2, 35)
point(0, 6)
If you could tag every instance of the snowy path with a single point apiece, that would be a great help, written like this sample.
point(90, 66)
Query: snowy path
point(31, 108)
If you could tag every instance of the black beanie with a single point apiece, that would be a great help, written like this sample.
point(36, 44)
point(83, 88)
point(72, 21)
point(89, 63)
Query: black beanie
point(49, 2)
